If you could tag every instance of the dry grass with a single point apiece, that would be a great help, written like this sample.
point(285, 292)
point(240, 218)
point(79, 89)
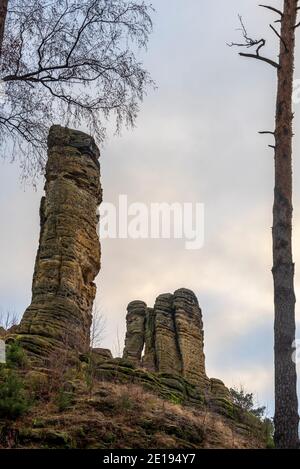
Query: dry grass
point(124, 416)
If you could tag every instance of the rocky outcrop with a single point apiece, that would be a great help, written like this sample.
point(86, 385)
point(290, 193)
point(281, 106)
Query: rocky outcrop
point(171, 335)
point(102, 353)
point(68, 257)
point(135, 335)
point(149, 358)
point(168, 358)
point(189, 329)
point(119, 411)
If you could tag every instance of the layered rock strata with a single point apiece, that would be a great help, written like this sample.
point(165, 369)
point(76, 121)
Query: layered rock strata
point(68, 257)
point(135, 335)
point(171, 335)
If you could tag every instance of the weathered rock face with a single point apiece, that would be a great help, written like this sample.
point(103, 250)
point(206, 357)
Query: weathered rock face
point(189, 328)
point(68, 257)
point(135, 335)
point(172, 333)
point(103, 353)
point(166, 340)
point(149, 358)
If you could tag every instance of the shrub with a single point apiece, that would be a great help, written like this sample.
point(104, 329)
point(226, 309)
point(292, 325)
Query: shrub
point(15, 356)
point(246, 402)
point(37, 384)
point(13, 398)
point(268, 426)
point(247, 410)
point(176, 400)
point(126, 402)
point(64, 399)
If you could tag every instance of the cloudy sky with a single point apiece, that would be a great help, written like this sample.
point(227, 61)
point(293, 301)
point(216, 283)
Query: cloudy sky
point(196, 140)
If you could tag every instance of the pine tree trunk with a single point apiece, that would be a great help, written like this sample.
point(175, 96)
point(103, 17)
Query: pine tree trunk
point(3, 12)
point(286, 403)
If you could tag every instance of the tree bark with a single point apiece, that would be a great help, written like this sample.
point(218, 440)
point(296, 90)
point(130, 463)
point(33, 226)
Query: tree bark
point(286, 403)
point(3, 13)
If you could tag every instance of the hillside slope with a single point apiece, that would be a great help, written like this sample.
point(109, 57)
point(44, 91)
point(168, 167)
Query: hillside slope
point(123, 416)
point(114, 405)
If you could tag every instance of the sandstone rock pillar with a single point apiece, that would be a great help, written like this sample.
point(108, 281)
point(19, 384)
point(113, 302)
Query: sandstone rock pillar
point(68, 257)
point(135, 334)
point(166, 345)
point(149, 358)
point(171, 335)
point(189, 331)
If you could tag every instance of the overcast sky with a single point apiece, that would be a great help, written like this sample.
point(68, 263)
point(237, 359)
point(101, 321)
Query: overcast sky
point(196, 140)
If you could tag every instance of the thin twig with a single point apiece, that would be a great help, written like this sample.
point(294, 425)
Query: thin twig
point(249, 42)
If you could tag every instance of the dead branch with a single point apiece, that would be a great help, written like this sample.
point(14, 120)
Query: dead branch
point(279, 36)
point(98, 327)
point(8, 319)
point(249, 42)
point(275, 10)
point(265, 132)
point(259, 57)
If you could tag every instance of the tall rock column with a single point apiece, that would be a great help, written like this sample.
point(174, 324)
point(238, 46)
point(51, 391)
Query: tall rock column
point(171, 335)
point(135, 333)
point(167, 352)
point(68, 257)
point(149, 358)
point(189, 332)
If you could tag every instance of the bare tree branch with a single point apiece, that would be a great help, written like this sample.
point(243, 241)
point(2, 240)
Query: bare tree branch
point(73, 63)
point(258, 57)
point(279, 36)
point(249, 42)
point(8, 319)
point(298, 24)
point(98, 327)
point(275, 10)
point(264, 132)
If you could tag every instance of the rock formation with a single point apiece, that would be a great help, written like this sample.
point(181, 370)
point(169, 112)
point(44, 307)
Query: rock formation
point(167, 352)
point(171, 334)
point(189, 328)
point(149, 358)
point(68, 257)
point(135, 335)
point(103, 353)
